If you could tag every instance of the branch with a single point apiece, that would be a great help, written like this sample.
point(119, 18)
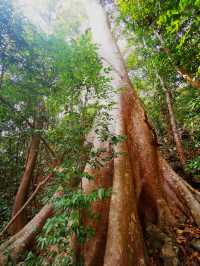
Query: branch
point(25, 204)
point(116, 70)
point(195, 83)
point(49, 148)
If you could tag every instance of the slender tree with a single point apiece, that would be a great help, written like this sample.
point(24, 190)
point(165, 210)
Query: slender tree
point(176, 136)
point(24, 187)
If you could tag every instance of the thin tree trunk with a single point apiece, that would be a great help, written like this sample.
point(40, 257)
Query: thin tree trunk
point(166, 118)
point(30, 199)
point(179, 146)
point(177, 139)
point(23, 189)
point(21, 241)
point(24, 186)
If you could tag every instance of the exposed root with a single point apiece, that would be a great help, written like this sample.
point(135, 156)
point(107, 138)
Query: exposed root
point(183, 191)
point(94, 248)
point(17, 244)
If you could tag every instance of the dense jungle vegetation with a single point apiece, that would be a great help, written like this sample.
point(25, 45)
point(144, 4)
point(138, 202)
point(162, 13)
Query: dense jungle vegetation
point(100, 132)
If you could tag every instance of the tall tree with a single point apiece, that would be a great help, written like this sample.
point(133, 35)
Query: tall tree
point(32, 153)
point(148, 198)
point(141, 177)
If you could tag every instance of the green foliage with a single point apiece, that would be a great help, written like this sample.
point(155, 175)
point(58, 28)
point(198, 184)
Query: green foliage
point(69, 81)
point(66, 76)
point(177, 23)
point(194, 164)
point(4, 212)
point(32, 259)
point(187, 106)
point(164, 37)
point(59, 229)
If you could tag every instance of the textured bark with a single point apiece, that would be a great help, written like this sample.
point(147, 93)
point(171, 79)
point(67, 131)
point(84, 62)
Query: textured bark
point(124, 244)
point(14, 247)
point(17, 244)
point(186, 195)
point(166, 118)
point(146, 191)
point(177, 139)
point(30, 199)
point(93, 250)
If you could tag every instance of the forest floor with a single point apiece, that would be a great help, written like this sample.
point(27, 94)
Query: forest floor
point(187, 244)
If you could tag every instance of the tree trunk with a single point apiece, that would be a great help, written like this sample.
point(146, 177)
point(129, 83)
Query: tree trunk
point(14, 247)
point(17, 244)
point(145, 188)
point(31, 159)
point(179, 146)
point(23, 189)
point(146, 191)
point(176, 136)
point(165, 116)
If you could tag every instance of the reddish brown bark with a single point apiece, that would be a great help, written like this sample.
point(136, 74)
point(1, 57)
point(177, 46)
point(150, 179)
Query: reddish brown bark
point(93, 250)
point(17, 244)
point(165, 116)
point(124, 245)
point(23, 189)
point(143, 191)
point(186, 195)
point(31, 159)
point(179, 146)
point(30, 199)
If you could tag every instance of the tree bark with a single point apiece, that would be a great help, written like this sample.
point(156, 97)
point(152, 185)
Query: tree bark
point(176, 136)
point(22, 240)
point(143, 183)
point(146, 191)
point(30, 199)
point(17, 244)
point(23, 189)
point(31, 159)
